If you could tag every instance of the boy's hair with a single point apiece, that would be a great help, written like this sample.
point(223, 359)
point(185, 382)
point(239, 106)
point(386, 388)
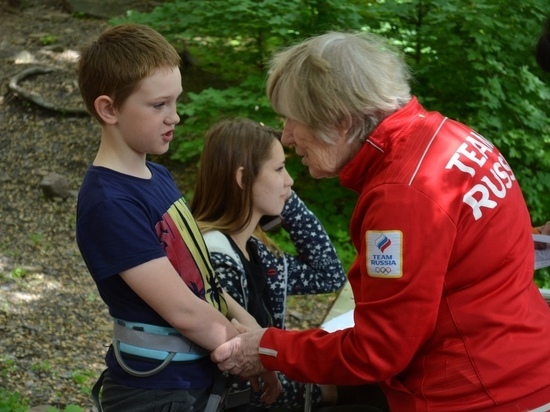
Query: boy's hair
point(219, 203)
point(338, 78)
point(118, 60)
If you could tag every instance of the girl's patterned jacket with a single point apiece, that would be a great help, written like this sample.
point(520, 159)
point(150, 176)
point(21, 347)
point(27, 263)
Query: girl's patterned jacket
point(315, 269)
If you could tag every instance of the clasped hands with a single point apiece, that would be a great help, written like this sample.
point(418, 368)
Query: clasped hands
point(239, 356)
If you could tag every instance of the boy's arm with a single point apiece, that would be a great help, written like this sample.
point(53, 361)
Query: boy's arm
point(160, 286)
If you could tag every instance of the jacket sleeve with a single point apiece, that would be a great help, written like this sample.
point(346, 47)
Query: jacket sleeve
point(316, 268)
point(393, 317)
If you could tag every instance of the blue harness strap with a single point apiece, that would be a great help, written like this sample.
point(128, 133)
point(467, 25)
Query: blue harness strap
point(159, 343)
point(165, 344)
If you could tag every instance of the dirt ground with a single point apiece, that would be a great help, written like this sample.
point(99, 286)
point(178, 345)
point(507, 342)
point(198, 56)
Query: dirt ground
point(53, 325)
point(54, 328)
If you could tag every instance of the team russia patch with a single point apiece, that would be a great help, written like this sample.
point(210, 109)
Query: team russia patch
point(384, 253)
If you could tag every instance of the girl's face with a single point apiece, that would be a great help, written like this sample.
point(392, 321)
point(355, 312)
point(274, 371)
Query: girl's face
point(272, 186)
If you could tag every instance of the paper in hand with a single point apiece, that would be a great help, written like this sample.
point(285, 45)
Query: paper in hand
point(542, 257)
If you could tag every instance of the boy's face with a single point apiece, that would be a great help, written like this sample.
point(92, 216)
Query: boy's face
point(147, 118)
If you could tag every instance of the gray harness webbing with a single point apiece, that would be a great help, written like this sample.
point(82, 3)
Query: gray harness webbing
point(126, 332)
point(167, 343)
point(141, 336)
point(167, 340)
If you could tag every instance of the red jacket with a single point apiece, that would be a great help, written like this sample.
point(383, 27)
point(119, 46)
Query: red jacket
point(447, 315)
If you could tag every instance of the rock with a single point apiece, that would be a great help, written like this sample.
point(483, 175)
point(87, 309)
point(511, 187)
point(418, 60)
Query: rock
point(55, 185)
point(22, 57)
point(40, 408)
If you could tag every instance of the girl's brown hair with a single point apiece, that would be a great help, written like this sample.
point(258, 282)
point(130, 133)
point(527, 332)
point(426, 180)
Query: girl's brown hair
point(219, 203)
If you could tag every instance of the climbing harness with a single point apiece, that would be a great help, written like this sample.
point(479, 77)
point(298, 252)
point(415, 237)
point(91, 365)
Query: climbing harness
point(152, 342)
point(164, 344)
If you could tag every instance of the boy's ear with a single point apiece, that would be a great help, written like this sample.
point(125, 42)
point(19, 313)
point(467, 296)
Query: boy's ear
point(105, 109)
point(239, 177)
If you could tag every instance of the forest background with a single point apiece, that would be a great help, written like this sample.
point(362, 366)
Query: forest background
point(472, 61)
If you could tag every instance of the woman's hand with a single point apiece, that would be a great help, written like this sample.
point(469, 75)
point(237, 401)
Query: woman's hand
point(544, 230)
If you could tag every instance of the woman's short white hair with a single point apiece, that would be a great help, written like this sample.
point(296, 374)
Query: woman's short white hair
point(335, 79)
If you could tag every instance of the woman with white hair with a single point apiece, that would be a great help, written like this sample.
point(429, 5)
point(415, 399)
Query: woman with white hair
point(447, 315)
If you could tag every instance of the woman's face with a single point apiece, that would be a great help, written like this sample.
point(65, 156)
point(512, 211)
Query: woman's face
point(272, 186)
point(323, 159)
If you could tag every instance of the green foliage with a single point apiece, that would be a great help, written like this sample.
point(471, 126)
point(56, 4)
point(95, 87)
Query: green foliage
point(48, 39)
point(7, 366)
point(542, 278)
point(43, 366)
point(37, 239)
point(12, 402)
point(210, 105)
point(68, 408)
point(231, 40)
point(18, 273)
point(234, 37)
point(472, 61)
point(81, 377)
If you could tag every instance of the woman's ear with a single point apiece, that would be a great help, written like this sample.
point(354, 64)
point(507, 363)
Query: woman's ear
point(239, 177)
point(344, 126)
point(105, 109)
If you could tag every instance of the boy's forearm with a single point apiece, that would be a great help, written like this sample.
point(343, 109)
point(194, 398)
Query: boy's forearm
point(206, 326)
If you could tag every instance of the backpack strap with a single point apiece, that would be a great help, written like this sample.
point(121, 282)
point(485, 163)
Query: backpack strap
point(217, 242)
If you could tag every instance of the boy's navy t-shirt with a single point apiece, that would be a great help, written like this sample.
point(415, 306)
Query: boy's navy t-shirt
point(124, 221)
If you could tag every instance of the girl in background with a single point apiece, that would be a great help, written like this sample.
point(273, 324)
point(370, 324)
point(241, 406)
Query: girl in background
point(242, 181)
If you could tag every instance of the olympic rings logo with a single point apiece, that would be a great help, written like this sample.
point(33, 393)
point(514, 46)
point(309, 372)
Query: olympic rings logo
point(383, 270)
